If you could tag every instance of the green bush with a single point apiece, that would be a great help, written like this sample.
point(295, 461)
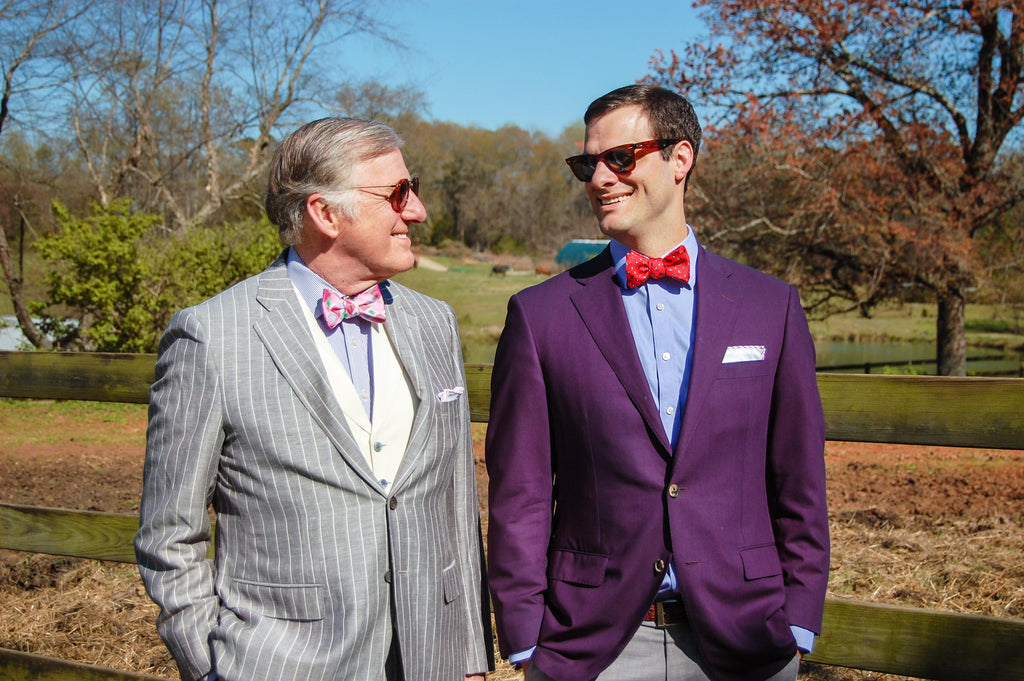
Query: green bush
point(116, 276)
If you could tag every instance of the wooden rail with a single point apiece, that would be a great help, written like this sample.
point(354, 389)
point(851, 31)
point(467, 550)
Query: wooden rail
point(916, 642)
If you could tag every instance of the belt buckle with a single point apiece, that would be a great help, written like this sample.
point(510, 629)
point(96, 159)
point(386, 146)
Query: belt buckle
point(659, 614)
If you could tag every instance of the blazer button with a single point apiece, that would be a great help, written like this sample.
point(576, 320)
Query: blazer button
point(673, 491)
point(659, 566)
point(393, 503)
point(387, 576)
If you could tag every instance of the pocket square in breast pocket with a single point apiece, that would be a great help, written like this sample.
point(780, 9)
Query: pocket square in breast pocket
point(743, 353)
point(451, 394)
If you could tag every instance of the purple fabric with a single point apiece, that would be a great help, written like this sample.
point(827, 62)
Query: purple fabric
point(738, 505)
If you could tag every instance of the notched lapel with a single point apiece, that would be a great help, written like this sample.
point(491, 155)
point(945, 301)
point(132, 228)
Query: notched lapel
point(284, 332)
point(599, 303)
point(717, 310)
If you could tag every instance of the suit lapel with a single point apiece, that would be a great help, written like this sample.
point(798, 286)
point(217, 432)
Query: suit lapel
point(285, 333)
point(716, 315)
point(599, 303)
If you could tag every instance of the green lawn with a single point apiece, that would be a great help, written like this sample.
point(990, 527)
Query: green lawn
point(480, 298)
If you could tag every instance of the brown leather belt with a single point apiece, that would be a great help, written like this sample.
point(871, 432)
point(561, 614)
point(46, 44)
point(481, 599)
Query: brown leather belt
point(664, 613)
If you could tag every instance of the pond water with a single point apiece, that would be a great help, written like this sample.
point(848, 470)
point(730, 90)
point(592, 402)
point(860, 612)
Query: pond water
point(851, 356)
point(11, 336)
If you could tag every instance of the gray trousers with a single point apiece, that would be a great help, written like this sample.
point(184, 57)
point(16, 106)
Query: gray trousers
point(661, 654)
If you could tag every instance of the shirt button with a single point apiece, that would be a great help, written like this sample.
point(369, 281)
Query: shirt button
point(670, 411)
point(365, 395)
point(673, 491)
point(377, 446)
point(355, 342)
point(661, 306)
point(659, 566)
point(666, 356)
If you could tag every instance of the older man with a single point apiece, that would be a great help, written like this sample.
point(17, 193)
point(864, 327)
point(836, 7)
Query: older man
point(320, 407)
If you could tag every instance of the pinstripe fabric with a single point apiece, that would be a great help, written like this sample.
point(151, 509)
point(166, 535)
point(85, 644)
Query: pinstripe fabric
point(242, 415)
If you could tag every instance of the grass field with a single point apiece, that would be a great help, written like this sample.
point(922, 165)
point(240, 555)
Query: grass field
point(479, 299)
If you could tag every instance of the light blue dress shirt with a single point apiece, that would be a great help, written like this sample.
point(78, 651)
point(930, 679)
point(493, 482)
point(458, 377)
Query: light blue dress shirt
point(350, 340)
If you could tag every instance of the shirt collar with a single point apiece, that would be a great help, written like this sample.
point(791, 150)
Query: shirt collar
point(690, 243)
point(308, 283)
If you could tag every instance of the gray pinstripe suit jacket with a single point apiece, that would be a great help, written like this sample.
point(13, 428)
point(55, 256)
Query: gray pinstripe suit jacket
point(309, 548)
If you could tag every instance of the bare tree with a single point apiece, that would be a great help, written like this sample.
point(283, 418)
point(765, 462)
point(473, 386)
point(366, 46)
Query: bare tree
point(168, 91)
point(26, 32)
point(925, 96)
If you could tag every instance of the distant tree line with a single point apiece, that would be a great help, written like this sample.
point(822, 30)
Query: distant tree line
point(863, 151)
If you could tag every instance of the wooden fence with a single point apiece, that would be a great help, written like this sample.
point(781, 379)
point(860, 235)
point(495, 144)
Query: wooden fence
point(915, 642)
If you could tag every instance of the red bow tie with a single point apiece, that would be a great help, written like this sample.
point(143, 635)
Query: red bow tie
point(369, 305)
point(640, 268)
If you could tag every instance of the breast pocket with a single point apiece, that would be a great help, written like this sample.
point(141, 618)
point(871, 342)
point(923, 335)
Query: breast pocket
point(744, 369)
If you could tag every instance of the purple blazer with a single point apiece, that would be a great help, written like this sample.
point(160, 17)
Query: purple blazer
point(588, 502)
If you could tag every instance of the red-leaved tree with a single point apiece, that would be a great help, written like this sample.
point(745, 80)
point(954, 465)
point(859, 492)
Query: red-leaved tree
point(868, 142)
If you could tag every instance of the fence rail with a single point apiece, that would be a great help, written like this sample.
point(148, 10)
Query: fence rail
point(928, 644)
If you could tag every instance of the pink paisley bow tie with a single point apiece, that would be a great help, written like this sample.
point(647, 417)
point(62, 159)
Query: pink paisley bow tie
point(640, 268)
point(369, 305)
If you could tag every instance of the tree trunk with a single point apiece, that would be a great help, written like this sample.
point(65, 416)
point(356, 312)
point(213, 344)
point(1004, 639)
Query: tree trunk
point(28, 327)
point(951, 336)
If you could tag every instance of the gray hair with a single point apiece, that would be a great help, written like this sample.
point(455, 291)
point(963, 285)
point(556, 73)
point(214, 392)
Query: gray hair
point(317, 159)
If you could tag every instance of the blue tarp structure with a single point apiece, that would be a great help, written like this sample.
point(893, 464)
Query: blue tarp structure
point(579, 250)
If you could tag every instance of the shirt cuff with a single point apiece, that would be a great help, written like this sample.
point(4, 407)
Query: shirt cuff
point(521, 656)
point(804, 638)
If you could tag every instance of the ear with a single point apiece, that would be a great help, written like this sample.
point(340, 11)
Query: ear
point(322, 217)
point(683, 156)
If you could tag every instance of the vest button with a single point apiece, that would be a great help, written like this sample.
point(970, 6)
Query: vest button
point(659, 566)
point(673, 490)
point(387, 576)
point(393, 503)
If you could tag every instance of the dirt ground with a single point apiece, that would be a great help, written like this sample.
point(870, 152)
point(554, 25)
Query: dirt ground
point(903, 521)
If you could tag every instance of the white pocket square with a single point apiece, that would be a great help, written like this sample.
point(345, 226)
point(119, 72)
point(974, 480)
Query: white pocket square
point(451, 394)
point(743, 353)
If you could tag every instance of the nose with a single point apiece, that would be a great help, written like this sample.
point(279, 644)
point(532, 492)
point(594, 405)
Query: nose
point(414, 210)
point(603, 175)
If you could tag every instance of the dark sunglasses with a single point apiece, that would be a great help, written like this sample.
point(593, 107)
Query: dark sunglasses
point(621, 159)
point(399, 196)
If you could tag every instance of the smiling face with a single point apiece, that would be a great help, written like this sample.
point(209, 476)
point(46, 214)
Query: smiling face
point(642, 209)
point(353, 253)
point(376, 241)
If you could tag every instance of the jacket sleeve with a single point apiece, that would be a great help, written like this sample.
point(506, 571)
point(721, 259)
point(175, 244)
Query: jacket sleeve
point(796, 474)
point(520, 496)
point(183, 444)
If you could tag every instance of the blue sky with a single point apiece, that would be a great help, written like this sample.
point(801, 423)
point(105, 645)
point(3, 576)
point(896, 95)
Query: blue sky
point(534, 63)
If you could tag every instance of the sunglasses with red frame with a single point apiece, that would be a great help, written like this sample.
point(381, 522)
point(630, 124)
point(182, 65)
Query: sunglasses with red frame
point(620, 159)
point(399, 196)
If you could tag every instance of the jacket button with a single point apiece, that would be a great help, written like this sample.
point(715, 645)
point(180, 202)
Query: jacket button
point(387, 576)
point(659, 566)
point(393, 503)
point(673, 491)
